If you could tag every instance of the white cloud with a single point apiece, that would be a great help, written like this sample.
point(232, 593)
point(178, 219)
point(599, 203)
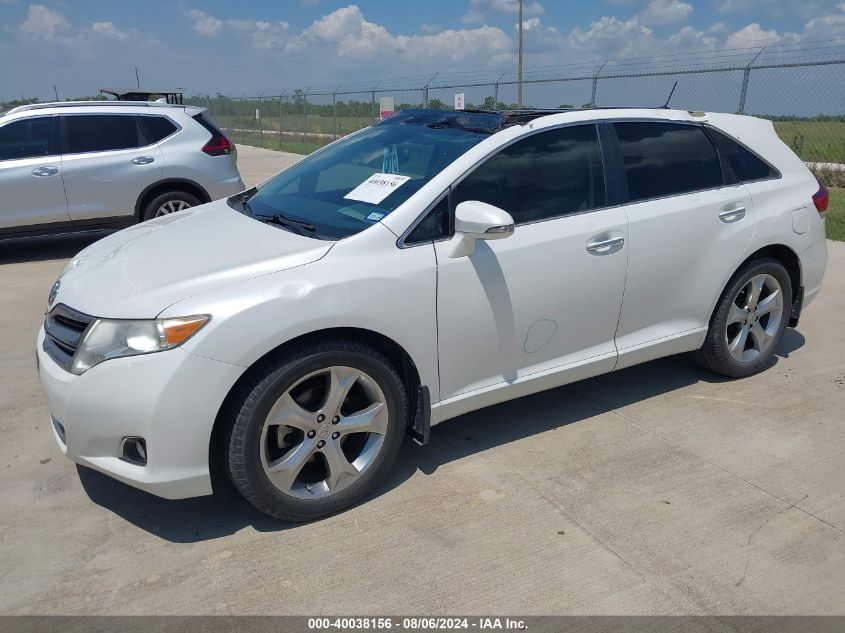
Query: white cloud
point(43, 23)
point(109, 31)
point(205, 24)
point(754, 35)
point(689, 39)
point(609, 37)
point(658, 12)
point(480, 10)
point(264, 34)
point(827, 26)
point(347, 34)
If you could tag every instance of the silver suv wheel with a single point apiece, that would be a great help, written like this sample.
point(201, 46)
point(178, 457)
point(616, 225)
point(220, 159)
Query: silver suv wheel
point(171, 206)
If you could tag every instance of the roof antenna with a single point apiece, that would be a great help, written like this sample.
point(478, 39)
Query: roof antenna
point(669, 98)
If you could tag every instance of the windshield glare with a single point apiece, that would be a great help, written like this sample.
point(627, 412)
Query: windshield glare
point(353, 184)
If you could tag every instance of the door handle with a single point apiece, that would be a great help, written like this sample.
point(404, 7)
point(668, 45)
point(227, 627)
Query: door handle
point(601, 247)
point(143, 160)
point(45, 171)
point(734, 214)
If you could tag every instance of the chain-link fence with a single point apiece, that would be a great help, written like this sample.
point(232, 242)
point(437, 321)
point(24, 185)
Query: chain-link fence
point(801, 91)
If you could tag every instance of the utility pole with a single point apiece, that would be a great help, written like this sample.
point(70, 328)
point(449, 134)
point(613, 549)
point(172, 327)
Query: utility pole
point(55, 92)
point(521, 52)
point(137, 79)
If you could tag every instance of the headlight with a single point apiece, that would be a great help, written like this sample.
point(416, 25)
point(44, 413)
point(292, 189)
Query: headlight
point(115, 338)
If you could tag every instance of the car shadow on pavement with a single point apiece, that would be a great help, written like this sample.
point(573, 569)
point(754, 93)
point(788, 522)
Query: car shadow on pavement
point(36, 249)
point(225, 512)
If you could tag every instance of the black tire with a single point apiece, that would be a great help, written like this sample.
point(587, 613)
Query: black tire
point(269, 382)
point(715, 354)
point(177, 196)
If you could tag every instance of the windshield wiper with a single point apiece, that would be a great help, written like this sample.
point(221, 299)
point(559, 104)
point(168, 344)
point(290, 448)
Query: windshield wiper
point(303, 228)
point(296, 226)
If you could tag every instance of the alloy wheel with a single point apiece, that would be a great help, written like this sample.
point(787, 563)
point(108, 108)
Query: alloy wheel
point(324, 432)
point(171, 206)
point(754, 318)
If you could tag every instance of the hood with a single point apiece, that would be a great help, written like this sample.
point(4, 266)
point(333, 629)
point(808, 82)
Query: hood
point(138, 272)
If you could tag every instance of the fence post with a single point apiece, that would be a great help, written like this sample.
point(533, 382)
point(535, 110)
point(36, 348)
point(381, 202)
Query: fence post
point(334, 113)
point(373, 104)
point(596, 85)
point(243, 124)
point(746, 75)
point(228, 120)
point(281, 129)
point(260, 122)
point(496, 91)
point(425, 89)
point(305, 118)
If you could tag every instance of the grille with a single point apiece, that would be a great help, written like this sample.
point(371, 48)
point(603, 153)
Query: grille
point(64, 328)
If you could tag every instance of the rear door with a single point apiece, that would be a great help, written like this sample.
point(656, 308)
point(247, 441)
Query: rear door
point(690, 224)
point(30, 175)
point(107, 165)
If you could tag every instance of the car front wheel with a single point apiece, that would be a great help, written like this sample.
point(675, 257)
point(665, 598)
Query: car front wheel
point(318, 431)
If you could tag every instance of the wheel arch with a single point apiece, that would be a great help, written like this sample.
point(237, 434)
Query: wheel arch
point(790, 261)
point(402, 361)
point(169, 184)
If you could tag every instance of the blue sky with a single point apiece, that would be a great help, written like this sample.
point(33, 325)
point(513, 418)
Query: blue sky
point(271, 45)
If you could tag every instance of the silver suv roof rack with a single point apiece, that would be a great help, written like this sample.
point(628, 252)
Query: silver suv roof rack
point(79, 104)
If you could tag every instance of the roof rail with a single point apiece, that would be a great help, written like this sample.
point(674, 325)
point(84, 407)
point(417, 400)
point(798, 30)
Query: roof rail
point(80, 104)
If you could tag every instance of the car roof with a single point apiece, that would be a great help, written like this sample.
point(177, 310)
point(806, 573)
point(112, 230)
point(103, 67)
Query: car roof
point(492, 121)
point(101, 107)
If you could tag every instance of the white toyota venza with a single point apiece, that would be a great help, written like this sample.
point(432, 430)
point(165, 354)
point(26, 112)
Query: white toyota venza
point(432, 264)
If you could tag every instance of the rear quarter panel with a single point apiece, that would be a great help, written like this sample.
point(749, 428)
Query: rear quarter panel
point(783, 207)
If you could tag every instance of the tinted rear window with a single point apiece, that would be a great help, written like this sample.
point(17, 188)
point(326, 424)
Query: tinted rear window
point(745, 164)
point(666, 159)
point(155, 128)
point(101, 132)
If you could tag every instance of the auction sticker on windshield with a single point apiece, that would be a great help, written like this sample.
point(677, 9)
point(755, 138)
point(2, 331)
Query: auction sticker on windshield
point(376, 188)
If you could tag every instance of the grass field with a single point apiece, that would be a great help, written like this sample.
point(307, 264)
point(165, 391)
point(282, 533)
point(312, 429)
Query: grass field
point(814, 141)
point(836, 214)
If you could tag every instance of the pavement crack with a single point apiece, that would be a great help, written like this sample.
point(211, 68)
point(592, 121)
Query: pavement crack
point(755, 532)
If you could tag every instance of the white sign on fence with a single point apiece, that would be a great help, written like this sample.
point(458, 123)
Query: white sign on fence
point(257, 114)
point(386, 106)
point(459, 101)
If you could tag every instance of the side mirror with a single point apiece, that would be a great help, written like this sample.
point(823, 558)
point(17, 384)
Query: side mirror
point(476, 220)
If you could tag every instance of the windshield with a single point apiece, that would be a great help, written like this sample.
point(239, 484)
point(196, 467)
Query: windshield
point(356, 182)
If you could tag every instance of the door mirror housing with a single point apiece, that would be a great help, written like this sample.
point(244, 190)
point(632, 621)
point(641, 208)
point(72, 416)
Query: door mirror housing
point(483, 221)
point(475, 220)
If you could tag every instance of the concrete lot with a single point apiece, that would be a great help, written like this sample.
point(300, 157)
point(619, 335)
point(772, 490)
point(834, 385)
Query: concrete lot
point(660, 489)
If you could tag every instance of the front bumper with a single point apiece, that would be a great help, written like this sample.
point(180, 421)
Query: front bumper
point(171, 399)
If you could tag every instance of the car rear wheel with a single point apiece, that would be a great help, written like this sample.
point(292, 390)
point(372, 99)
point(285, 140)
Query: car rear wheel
point(749, 321)
point(318, 431)
point(169, 202)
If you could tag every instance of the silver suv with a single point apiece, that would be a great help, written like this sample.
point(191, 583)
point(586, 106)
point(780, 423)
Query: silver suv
point(77, 166)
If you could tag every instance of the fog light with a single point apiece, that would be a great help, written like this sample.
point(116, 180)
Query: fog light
point(60, 430)
point(134, 450)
